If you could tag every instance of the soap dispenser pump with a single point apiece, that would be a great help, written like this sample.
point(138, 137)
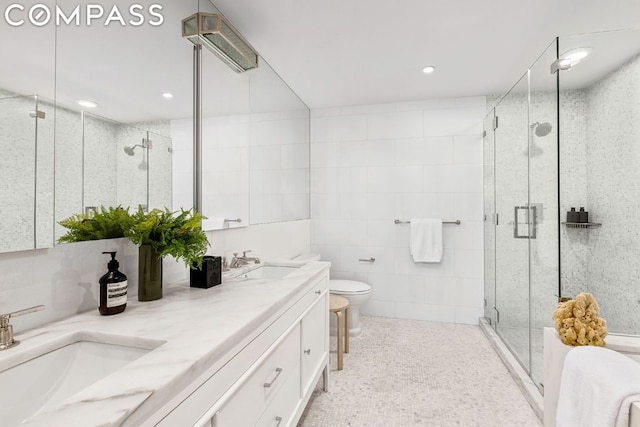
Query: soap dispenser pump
point(113, 289)
point(583, 215)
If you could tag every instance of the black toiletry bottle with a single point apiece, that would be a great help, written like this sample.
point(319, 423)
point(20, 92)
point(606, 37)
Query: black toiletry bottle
point(113, 289)
point(573, 216)
point(583, 215)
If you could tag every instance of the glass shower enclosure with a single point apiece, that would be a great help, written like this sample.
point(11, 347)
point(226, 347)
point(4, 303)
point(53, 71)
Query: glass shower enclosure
point(521, 200)
point(566, 135)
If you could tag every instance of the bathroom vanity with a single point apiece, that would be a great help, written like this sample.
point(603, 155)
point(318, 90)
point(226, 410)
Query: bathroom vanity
point(248, 352)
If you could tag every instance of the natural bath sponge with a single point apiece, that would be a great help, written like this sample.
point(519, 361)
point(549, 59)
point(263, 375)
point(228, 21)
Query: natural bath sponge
point(577, 321)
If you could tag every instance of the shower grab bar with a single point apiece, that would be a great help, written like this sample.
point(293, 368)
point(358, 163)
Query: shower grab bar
point(456, 222)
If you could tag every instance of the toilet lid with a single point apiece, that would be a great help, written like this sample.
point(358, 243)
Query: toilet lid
point(348, 287)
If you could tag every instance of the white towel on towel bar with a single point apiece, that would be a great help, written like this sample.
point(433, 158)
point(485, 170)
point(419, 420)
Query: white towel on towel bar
point(425, 241)
point(597, 388)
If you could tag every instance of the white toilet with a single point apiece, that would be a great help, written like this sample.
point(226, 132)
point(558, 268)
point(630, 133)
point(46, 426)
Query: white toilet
point(357, 293)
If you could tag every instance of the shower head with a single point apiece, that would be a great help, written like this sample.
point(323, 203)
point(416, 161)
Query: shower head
point(216, 34)
point(541, 129)
point(131, 150)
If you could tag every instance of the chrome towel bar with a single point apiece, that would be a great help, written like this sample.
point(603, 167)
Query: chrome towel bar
point(456, 222)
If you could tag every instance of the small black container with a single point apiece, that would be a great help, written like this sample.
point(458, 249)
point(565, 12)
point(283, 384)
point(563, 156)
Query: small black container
point(209, 276)
point(583, 216)
point(573, 216)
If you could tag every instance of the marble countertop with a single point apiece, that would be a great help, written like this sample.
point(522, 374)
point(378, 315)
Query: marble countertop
point(197, 328)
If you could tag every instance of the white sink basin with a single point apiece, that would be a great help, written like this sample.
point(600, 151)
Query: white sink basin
point(44, 376)
point(269, 272)
point(263, 271)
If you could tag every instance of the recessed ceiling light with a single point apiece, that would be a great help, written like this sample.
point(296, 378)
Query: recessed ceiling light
point(86, 104)
point(428, 69)
point(167, 95)
point(577, 55)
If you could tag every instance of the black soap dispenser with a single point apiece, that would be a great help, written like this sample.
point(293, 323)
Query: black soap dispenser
point(113, 289)
point(583, 215)
point(573, 216)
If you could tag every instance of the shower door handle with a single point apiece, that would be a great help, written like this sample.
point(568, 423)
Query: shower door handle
point(529, 220)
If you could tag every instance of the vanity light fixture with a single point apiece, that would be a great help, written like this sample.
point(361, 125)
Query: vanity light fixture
point(576, 55)
point(167, 95)
point(86, 104)
point(216, 34)
point(428, 69)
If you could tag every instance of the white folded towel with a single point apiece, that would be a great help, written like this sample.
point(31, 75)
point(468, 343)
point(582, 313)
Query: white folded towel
point(597, 388)
point(425, 243)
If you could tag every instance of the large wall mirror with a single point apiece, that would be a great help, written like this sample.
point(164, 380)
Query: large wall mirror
point(135, 146)
point(27, 90)
point(119, 152)
point(255, 146)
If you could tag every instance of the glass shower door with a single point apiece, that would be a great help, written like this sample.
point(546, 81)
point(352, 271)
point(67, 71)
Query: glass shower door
point(543, 195)
point(512, 221)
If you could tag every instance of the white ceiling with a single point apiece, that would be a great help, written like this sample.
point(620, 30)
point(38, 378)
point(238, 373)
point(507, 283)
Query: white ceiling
point(351, 52)
point(331, 52)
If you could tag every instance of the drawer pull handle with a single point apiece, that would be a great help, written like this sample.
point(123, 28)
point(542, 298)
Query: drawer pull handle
point(372, 259)
point(279, 420)
point(278, 372)
point(318, 292)
point(307, 351)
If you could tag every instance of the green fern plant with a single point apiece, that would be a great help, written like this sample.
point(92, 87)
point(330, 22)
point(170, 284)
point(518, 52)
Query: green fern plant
point(178, 234)
point(106, 223)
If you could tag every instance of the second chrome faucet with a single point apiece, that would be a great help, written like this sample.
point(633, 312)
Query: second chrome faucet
point(239, 261)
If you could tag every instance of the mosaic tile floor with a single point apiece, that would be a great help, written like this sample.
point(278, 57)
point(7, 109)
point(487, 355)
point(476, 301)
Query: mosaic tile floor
point(403, 373)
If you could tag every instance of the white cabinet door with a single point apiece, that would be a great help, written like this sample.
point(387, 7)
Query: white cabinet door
point(314, 341)
point(256, 393)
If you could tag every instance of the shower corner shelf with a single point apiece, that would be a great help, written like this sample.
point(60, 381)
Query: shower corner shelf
point(582, 224)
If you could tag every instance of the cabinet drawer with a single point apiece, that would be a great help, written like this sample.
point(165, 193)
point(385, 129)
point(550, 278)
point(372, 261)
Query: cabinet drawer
point(246, 406)
point(316, 293)
point(314, 341)
point(282, 409)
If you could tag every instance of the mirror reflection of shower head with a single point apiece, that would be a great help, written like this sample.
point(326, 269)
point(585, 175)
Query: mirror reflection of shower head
point(131, 150)
point(541, 129)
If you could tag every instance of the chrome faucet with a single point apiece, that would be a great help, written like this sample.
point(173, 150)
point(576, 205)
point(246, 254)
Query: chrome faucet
point(6, 330)
point(238, 261)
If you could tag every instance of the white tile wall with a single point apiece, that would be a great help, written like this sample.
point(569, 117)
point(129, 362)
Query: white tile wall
point(372, 164)
point(259, 157)
point(266, 241)
point(64, 279)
